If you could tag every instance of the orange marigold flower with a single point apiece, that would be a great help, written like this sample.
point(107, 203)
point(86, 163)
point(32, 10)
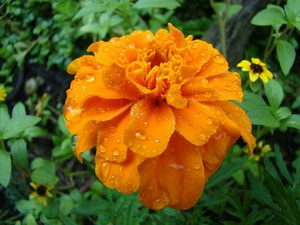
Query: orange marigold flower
point(158, 109)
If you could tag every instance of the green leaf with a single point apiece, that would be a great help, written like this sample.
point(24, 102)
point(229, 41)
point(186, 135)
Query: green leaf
point(144, 4)
point(96, 8)
point(281, 165)
point(5, 167)
point(34, 131)
point(274, 93)
point(226, 171)
point(292, 121)
point(259, 190)
point(19, 110)
point(18, 124)
point(4, 118)
point(42, 176)
point(30, 220)
point(19, 152)
point(286, 55)
point(66, 204)
point(234, 9)
point(287, 211)
point(283, 113)
point(45, 164)
point(254, 86)
point(51, 210)
point(258, 111)
point(292, 10)
point(269, 17)
point(66, 220)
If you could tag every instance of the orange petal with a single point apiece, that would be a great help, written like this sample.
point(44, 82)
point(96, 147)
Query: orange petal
point(240, 118)
point(110, 144)
point(177, 36)
point(197, 122)
point(214, 151)
point(150, 128)
point(86, 138)
point(199, 53)
point(175, 178)
point(217, 64)
point(174, 97)
point(122, 176)
point(94, 109)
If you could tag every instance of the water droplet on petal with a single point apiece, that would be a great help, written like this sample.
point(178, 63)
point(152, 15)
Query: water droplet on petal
point(188, 169)
point(116, 152)
point(196, 166)
point(144, 147)
point(101, 110)
point(150, 187)
point(72, 112)
point(207, 94)
point(104, 170)
point(140, 134)
point(112, 128)
point(195, 45)
point(209, 121)
point(219, 59)
point(129, 142)
point(189, 58)
point(202, 137)
point(89, 78)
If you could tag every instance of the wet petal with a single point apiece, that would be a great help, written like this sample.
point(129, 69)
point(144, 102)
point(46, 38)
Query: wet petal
point(86, 138)
point(240, 118)
point(94, 109)
point(110, 144)
point(216, 65)
point(150, 128)
point(175, 178)
point(174, 97)
point(196, 123)
point(122, 176)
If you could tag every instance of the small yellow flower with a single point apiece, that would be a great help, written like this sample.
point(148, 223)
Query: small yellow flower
point(256, 69)
point(3, 94)
point(41, 192)
point(260, 150)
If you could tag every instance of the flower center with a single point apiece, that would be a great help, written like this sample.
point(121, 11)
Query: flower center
point(256, 68)
point(41, 190)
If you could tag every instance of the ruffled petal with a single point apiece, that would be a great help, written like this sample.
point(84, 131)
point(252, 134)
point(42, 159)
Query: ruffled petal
point(110, 142)
point(95, 109)
point(174, 97)
point(216, 65)
point(86, 138)
point(197, 122)
point(122, 176)
point(175, 178)
point(221, 87)
point(240, 118)
point(245, 65)
point(150, 128)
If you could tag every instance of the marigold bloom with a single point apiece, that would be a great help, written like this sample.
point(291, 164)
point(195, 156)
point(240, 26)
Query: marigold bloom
point(41, 192)
point(259, 150)
point(256, 69)
point(158, 109)
point(3, 94)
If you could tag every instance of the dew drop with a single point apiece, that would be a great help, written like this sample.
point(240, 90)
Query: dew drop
point(207, 94)
point(144, 147)
point(89, 78)
point(101, 110)
point(104, 170)
point(202, 137)
point(140, 134)
point(116, 152)
point(112, 128)
point(196, 166)
point(101, 148)
point(219, 59)
point(72, 112)
point(121, 172)
point(195, 45)
point(129, 142)
point(188, 169)
point(189, 58)
point(209, 121)
point(150, 187)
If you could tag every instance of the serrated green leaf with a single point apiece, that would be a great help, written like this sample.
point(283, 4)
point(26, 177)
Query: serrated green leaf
point(281, 165)
point(269, 17)
point(18, 124)
point(283, 113)
point(19, 110)
point(274, 93)
point(144, 4)
point(286, 55)
point(288, 210)
point(292, 121)
point(5, 167)
point(19, 152)
point(260, 192)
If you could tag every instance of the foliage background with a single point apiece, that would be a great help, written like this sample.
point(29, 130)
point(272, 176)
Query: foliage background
point(39, 38)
